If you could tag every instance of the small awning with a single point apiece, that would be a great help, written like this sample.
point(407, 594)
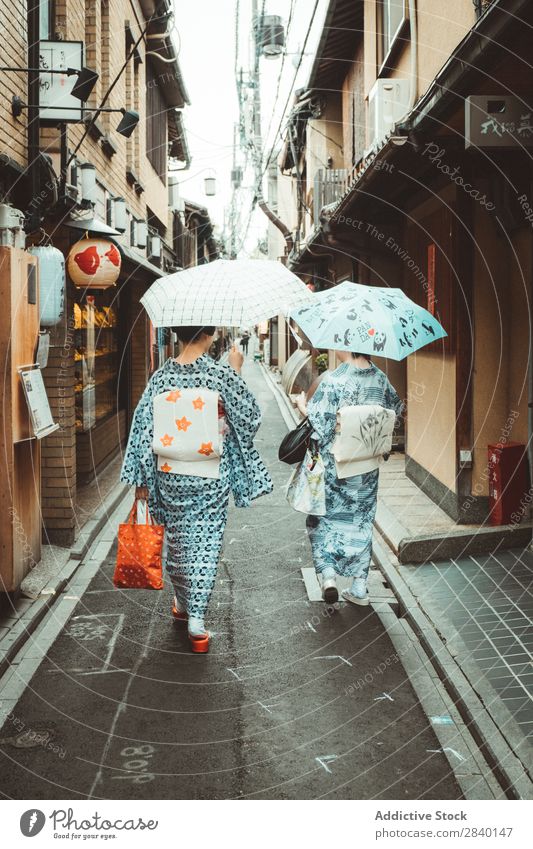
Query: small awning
point(133, 258)
point(91, 225)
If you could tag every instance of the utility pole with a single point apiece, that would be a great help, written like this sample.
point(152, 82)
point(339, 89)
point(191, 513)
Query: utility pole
point(258, 139)
point(256, 113)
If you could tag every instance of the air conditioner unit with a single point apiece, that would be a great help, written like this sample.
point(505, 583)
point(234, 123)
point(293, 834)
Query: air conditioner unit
point(388, 103)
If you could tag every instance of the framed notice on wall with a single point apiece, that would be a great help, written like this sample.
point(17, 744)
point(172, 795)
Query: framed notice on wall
point(37, 400)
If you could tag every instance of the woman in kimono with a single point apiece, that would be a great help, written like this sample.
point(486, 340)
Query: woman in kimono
point(192, 508)
point(341, 541)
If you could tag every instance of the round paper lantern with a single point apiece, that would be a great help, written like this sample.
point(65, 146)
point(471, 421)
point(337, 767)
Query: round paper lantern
point(94, 263)
point(51, 283)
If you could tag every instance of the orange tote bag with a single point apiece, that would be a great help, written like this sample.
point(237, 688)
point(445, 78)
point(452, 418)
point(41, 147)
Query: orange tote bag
point(139, 565)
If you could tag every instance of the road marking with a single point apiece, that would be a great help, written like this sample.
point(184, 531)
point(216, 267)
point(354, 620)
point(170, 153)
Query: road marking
point(310, 626)
point(89, 627)
point(333, 657)
point(121, 708)
point(323, 760)
point(233, 669)
point(87, 671)
point(270, 705)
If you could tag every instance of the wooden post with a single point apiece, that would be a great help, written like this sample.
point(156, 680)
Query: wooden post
point(20, 458)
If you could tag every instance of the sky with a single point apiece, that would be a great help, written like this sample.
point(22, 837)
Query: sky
point(206, 35)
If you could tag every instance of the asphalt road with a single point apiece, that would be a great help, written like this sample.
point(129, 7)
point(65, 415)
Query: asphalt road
point(127, 712)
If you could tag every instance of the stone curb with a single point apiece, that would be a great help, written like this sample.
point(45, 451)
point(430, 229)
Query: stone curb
point(507, 767)
point(25, 624)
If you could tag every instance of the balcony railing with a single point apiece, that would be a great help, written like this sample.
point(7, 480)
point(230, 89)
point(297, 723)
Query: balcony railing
point(329, 185)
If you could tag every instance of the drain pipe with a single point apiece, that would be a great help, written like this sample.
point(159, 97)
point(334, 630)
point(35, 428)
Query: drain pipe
point(414, 55)
point(277, 222)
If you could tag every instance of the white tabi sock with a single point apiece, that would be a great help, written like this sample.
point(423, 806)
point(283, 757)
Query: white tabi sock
point(196, 626)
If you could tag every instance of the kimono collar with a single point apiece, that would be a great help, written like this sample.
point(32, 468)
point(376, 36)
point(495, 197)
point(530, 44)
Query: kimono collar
point(171, 363)
point(344, 368)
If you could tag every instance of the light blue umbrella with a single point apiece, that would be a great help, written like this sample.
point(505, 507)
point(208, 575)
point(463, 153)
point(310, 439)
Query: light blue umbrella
point(368, 319)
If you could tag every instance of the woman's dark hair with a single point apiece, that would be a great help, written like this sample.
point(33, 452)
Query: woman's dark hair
point(357, 354)
point(192, 334)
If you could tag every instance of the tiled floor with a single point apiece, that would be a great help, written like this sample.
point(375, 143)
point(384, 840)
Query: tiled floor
point(488, 599)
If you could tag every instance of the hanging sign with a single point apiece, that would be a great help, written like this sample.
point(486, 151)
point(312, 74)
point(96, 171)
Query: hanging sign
point(499, 121)
point(37, 400)
point(55, 89)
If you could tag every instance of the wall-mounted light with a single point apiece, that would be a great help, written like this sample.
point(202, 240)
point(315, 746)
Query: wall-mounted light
point(141, 234)
point(175, 201)
point(82, 87)
point(88, 182)
point(120, 218)
point(84, 84)
point(130, 119)
point(155, 246)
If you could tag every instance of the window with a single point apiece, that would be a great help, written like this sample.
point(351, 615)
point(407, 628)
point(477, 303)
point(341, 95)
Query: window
point(46, 19)
point(392, 14)
point(156, 125)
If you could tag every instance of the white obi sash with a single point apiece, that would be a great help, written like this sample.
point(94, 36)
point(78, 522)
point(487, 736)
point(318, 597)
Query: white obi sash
point(187, 432)
point(364, 434)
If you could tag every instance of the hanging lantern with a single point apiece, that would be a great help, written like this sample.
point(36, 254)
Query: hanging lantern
point(94, 263)
point(51, 283)
point(210, 185)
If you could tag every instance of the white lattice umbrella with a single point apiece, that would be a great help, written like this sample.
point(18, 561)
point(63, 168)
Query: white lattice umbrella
point(230, 293)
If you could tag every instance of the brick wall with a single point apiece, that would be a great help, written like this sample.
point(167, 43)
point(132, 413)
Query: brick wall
point(58, 458)
point(140, 342)
point(14, 53)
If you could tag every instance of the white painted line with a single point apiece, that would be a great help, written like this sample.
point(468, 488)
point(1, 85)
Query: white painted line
point(333, 657)
point(383, 697)
point(324, 760)
point(447, 749)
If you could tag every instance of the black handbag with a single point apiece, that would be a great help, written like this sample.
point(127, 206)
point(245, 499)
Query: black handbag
point(294, 446)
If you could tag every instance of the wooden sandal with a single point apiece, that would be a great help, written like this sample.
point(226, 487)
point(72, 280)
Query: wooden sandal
point(199, 643)
point(179, 615)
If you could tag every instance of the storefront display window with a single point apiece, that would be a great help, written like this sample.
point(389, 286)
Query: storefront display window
point(95, 322)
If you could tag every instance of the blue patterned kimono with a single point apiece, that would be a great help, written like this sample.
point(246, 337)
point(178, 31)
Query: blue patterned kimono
point(194, 509)
point(342, 539)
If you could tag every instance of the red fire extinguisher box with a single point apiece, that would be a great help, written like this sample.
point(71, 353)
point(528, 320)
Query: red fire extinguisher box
point(508, 482)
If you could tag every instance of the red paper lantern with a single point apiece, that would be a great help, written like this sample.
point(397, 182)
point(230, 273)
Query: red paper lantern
point(94, 263)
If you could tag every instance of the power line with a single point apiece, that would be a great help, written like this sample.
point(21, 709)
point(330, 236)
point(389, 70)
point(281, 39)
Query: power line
point(289, 22)
point(291, 88)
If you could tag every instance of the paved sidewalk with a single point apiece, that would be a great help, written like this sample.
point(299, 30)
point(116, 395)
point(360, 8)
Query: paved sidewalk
point(483, 608)
point(417, 529)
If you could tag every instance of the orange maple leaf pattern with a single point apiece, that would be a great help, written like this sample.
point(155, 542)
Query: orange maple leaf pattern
point(166, 439)
point(166, 468)
point(206, 448)
point(183, 423)
point(198, 403)
point(174, 395)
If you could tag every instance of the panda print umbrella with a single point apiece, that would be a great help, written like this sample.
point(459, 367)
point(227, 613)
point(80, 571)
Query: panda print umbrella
point(368, 319)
